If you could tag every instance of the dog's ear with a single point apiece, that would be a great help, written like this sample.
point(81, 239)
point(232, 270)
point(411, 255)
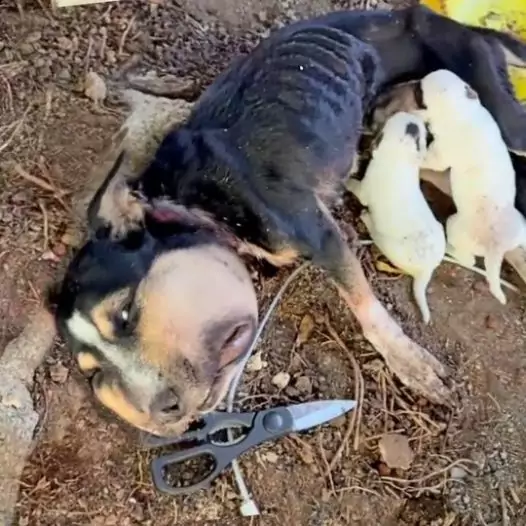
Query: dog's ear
point(115, 210)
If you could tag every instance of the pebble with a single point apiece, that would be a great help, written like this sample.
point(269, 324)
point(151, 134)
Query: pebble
point(65, 74)
point(65, 43)
point(281, 380)
point(458, 473)
point(304, 385)
point(34, 37)
point(396, 451)
point(255, 363)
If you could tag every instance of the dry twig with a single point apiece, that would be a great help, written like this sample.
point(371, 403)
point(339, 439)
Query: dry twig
point(125, 35)
point(356, 415)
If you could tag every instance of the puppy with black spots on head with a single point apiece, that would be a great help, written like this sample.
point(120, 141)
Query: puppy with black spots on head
point(398, 217)
point(468, 141)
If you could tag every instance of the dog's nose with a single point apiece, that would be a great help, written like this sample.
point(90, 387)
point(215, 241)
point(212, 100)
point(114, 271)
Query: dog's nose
point(166, 402)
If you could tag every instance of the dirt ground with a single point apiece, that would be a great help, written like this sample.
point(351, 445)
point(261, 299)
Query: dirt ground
point(87, 468)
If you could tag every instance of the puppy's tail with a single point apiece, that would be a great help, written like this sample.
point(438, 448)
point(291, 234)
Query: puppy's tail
point(420, 283)
point(493, 263)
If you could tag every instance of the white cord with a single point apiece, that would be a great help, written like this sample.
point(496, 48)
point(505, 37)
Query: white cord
point(249, 507)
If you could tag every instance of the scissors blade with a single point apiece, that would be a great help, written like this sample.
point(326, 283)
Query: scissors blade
point(312, 414)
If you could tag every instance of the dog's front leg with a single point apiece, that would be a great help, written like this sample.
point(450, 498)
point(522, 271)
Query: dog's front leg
point(412, 364)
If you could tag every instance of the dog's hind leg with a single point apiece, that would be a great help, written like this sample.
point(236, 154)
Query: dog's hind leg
point(412, 364)
point(420, 283)
point(458, 244)
point(493, 264)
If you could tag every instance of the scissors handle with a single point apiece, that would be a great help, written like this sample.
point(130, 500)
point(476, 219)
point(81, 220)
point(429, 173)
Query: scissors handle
point(265, 428)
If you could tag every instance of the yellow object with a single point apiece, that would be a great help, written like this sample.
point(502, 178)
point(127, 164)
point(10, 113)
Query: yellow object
point(505, 15)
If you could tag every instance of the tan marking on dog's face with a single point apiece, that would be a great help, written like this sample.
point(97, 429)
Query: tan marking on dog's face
point(196, 316)
point(87, 362)
point(114, 398)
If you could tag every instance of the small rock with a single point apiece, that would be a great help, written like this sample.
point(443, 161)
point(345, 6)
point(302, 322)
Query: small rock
point(271, 457)
point(34, 37)
point(396, 451)
point(111, 56)
point(65, 43)
point(304, 385)
point(281, 380)
point(458, 473)
point(292, 392)
point(255, 363)
point(95, 87)
point(58, 373)
point(64, 74)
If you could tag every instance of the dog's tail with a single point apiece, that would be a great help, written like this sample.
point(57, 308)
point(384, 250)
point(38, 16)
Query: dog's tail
point(420, 283)
point(415, 41)
point(514, 49)
point(493, 263)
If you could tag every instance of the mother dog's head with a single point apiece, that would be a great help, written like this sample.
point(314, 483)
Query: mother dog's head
point(159, 319)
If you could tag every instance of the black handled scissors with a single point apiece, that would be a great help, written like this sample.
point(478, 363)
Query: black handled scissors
point(262, 426)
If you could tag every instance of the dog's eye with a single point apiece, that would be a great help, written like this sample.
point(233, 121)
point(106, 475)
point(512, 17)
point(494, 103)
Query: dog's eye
point(122, 320)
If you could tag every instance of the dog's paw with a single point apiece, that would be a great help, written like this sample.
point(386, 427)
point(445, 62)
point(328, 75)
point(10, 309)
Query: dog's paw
point(414, 366)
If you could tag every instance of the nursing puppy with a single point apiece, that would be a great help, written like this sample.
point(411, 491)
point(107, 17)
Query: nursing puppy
point(158, 306)
point(469, 142)
point(398, 217)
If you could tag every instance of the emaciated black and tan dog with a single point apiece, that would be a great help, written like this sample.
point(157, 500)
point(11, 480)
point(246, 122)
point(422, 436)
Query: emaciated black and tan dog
point(158, 305)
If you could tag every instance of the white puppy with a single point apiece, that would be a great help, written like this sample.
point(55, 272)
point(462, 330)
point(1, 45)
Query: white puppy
point(468, 141)
point(398, 218)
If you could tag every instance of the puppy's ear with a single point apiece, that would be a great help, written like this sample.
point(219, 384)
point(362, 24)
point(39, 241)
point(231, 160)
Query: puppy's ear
point(115, 210)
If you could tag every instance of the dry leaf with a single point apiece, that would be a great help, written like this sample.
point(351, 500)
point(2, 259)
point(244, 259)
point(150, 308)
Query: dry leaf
point(387, 268)
point(306, 327)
